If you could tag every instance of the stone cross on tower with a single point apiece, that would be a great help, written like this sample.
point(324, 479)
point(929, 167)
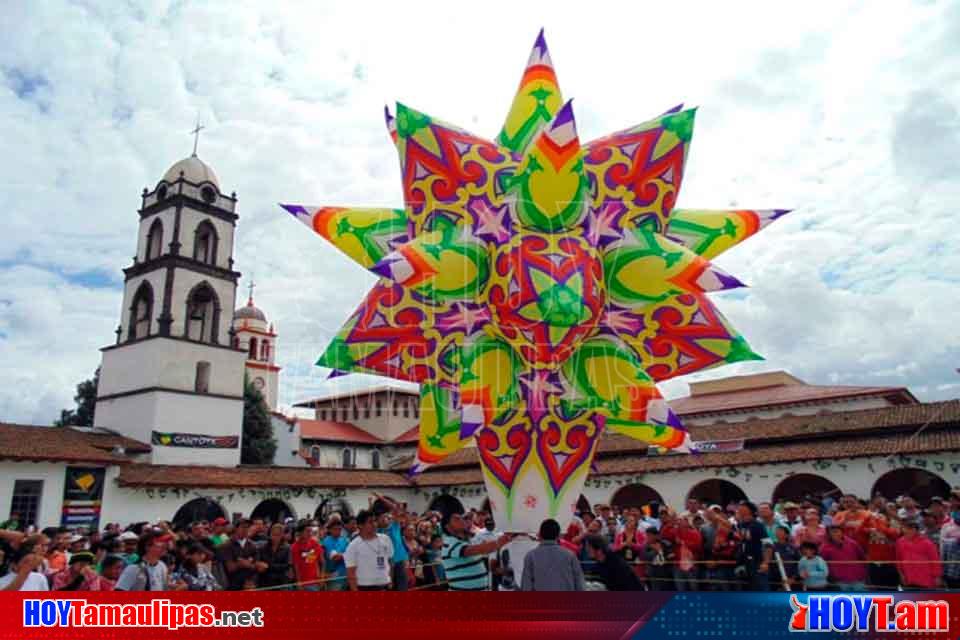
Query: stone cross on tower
point(196, 135)
point(250, 289)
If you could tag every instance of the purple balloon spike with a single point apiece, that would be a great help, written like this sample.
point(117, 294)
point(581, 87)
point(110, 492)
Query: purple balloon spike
point(564, 115)
point(540, 44)
point(729, 281)
point(293, 209)
point(383, 268)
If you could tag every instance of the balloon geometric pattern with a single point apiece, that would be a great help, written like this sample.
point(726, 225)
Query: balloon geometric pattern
point(537, 288)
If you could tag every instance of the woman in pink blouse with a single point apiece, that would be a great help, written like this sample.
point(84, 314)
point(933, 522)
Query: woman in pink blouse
point(630, 543)
point(811, 530)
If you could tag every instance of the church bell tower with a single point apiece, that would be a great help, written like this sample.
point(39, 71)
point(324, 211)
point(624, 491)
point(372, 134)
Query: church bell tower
point(258, 338)
point(174, 377)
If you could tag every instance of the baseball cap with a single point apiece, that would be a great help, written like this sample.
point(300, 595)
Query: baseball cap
point(221, 521)
point(128, 535)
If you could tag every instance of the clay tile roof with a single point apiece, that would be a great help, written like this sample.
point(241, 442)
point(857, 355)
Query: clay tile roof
point(784, 394)
point(335, 431)
point(810, 427)
point(412, 435)
point(64, 444)
point(942, 440)
point(398, 387)
point(855, 447)
point(886, 431)
point(442, 477)
point(152, 475)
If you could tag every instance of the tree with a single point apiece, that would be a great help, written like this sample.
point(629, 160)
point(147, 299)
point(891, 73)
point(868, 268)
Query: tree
point(86, 400)
point(259, 446)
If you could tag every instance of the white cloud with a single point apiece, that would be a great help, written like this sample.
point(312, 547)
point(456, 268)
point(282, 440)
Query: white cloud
point(847, 113)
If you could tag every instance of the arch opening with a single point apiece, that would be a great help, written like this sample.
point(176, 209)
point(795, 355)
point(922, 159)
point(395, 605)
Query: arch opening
point(919, 484)
point(198, 509)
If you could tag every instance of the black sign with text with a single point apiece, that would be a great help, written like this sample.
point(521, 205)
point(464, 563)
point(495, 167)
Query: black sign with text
point(194, 440)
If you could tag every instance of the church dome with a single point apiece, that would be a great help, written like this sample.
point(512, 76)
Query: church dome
point(194, 170)
point(250, 312)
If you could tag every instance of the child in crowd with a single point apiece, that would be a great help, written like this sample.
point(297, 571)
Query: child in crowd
point(812, 568)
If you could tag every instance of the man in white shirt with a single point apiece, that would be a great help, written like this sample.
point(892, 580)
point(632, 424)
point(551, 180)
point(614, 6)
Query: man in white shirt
point(369, 557)
point(22, 576)
point(488, 534)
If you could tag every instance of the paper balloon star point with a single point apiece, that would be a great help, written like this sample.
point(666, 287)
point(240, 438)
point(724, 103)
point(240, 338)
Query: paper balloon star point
point(538, 288)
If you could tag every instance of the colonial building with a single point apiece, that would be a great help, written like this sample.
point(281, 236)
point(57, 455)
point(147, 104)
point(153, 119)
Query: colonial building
point(898, 449)
point(371, 428)
point(775, 395)
point(386, 411)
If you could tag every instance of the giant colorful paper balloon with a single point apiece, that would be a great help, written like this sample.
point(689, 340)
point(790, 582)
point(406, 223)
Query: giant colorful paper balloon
point(537, 288)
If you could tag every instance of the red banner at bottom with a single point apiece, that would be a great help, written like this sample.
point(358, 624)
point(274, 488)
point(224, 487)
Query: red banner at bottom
point(394, 616)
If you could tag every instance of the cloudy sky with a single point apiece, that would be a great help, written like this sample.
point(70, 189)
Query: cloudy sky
point(846, 113)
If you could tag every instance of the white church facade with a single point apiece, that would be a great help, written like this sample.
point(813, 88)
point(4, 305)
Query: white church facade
point(168, 423)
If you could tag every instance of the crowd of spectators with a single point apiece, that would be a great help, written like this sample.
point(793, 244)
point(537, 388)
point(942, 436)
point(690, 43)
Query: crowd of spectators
point(847, 544)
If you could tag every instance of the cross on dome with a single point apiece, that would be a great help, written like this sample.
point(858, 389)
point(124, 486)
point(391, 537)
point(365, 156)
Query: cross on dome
point(196, 136)
point(250, 311)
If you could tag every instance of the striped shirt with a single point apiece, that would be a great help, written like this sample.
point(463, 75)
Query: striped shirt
point(464, 573)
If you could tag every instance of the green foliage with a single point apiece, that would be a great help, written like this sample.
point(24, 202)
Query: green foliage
point(258, 446)
point(86, 399)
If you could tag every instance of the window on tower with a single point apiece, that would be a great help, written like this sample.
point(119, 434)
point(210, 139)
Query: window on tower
point(265, 351)
point(205, 243)
point(203, 310)
point(154, 240)
point(253, 349)
point(140, 311)
point(202, 384)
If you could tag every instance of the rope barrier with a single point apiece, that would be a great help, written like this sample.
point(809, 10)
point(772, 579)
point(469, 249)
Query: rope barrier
point(783, 573)
point(733, 563)
point(869, 587)
point(640, 563)
point(292, 585)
